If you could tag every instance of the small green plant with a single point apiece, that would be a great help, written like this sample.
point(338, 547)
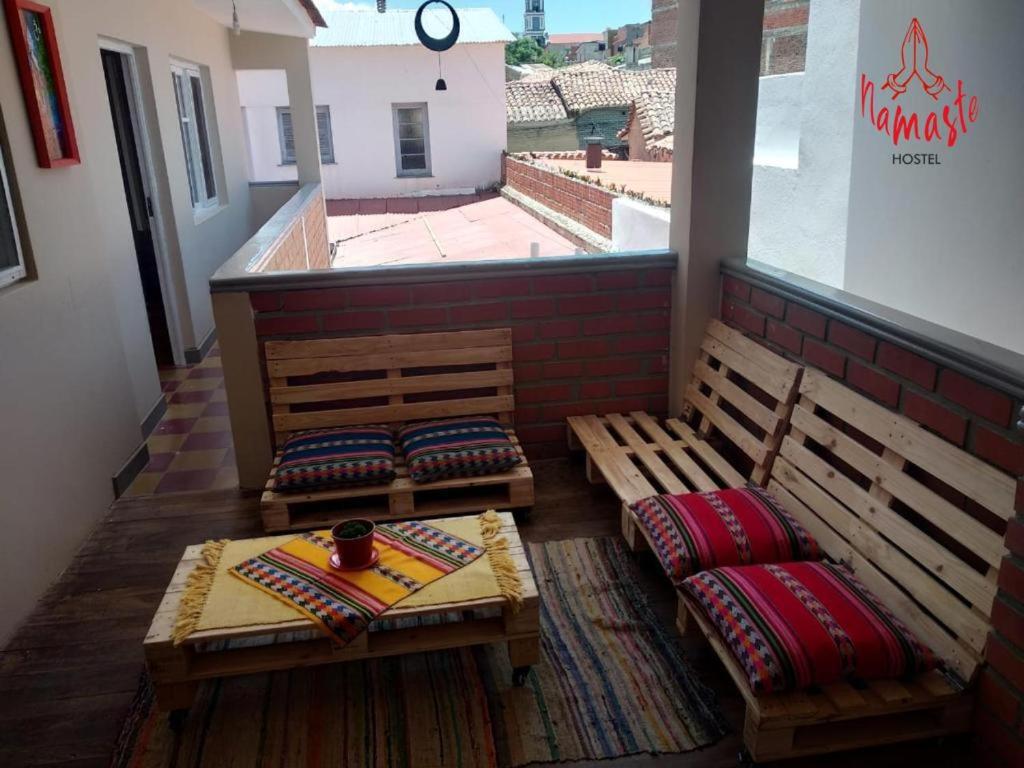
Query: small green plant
point(354, 529)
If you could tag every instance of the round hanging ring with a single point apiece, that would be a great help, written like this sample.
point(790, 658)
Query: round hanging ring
point(438, 44)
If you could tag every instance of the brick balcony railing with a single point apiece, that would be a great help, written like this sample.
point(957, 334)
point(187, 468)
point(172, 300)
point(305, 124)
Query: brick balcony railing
point(580, 201)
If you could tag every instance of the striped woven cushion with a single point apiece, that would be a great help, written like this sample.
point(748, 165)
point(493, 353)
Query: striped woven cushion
point(328, 458)
point(797, 625)
point(695, 532)
point(457, 448)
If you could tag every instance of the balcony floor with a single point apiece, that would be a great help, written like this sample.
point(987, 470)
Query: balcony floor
point(435, 230)
point(68, 675)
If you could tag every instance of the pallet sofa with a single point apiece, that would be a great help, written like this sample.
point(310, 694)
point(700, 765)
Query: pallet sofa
point(735, 412)
point(861, 479)
point(393, 380)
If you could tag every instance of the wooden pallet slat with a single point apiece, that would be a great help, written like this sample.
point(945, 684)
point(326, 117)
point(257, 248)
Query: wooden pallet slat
point(418, 377)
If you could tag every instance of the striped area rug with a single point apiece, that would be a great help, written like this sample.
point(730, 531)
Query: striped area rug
point(611, 683)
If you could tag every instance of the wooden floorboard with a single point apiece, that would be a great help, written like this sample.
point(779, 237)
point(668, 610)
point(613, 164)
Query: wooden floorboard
point(68, 675)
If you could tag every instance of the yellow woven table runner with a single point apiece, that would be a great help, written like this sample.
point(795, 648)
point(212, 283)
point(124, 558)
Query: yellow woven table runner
point(215, 599)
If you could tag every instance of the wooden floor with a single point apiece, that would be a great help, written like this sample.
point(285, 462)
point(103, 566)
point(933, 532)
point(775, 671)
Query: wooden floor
point(68, 675)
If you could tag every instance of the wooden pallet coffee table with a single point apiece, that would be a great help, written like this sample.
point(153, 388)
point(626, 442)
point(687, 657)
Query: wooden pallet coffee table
point(176, 671)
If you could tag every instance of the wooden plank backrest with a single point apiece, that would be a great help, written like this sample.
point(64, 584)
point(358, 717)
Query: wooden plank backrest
point(863, 479)
point(743, 392)
point(376, 368)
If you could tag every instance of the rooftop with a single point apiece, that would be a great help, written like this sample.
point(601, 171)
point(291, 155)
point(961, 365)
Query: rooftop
point(656, 113)
point(582, 87)
point(367, 28)
point(436, 230)
point(575, 38)
point(643, 178)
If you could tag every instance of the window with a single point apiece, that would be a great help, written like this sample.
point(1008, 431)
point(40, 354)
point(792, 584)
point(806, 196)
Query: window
point(12, 260)
point(286, 135)
point(536, 23)
point(195, 135)
point(412, 139)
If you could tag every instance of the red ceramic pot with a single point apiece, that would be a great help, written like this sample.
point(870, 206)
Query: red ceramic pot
point(353, 540)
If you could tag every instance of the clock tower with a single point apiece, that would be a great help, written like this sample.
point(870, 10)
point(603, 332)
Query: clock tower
point(533, 21)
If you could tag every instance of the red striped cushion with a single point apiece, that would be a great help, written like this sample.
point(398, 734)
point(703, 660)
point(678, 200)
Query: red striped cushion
point(694, 532)
point(797, 625)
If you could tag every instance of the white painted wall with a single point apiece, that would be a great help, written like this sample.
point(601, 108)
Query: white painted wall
point(798, 218)
point(779, 106)
point(261, 92)
point(638, 226)
point(468, 129)
point(76, 364)
point(946, 243)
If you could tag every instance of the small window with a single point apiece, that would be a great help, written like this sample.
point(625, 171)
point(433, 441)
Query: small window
point(286, 135)
point(195, 135)
point(12, 260)
point(412, 139)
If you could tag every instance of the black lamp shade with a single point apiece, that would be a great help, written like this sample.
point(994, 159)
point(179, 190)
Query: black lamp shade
point(441, 85)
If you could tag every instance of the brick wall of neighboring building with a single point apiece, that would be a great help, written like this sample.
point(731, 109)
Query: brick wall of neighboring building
point(664, 17)
point(784, 47)
point(591, 341)
point(585, 203)
point(967, 413)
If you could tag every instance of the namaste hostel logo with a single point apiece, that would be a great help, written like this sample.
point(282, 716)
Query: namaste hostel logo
point(947, 123)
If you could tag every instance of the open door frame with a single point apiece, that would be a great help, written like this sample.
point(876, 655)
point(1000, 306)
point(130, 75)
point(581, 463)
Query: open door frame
point(144, 142)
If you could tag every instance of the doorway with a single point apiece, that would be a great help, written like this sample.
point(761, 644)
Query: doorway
point(119, 74)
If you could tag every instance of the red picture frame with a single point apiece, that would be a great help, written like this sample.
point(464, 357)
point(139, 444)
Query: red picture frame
point(42, 82)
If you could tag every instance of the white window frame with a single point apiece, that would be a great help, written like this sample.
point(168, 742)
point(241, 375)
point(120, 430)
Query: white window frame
point(15, 272)
point(322, 109)
point(402, 173)
point(201, 177)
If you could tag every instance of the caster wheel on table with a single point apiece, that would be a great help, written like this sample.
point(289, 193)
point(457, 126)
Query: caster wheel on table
point(744, 760)
point(519, 675)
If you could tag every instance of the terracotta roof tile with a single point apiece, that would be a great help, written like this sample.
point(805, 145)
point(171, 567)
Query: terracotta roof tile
point(533, 100)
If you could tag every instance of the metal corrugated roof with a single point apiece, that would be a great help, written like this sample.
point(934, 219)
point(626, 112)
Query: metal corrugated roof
point(362, 29)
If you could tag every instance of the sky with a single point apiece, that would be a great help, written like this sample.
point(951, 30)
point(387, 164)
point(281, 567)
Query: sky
point(563, 16)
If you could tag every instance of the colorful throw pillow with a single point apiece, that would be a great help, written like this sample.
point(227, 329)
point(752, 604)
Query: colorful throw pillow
point(330, 458)
point(457, 448)
point(695, 532)
point(798, 625)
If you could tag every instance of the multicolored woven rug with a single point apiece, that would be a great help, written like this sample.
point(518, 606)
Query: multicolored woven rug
point(611, 683)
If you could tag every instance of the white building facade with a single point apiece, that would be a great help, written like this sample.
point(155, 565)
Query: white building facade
point(385, 129)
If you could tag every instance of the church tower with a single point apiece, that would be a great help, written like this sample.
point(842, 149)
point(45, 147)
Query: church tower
point(533, 21)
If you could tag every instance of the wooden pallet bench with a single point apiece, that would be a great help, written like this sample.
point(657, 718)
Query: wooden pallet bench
point(861, 479)
point(393, 380)
point(735, 412)
point(177, 671)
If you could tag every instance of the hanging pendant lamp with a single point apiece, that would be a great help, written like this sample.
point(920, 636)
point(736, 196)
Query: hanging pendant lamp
point(438, 44)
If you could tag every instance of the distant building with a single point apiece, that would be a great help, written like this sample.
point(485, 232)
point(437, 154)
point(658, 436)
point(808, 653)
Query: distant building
point(534, 24)
point(664, 19)
point(384, 129)
point(590, 99)
point(579, 47)
point(650, 126)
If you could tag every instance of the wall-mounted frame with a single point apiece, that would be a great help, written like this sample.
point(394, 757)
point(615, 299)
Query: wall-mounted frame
point(42, 82)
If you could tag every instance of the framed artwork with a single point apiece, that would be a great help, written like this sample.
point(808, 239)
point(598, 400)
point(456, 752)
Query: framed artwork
point(42, 81)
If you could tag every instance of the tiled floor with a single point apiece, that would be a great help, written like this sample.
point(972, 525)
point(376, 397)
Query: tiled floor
point(434, 230)
point(191, 447)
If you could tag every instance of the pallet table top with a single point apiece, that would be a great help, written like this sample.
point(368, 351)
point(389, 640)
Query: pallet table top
point(159, 634)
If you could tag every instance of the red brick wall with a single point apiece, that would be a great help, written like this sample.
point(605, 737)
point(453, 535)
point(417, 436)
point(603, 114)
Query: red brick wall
point(585, 203)
point(591, 341)
point(967, 413)
point(664, 18)
point(784, 47)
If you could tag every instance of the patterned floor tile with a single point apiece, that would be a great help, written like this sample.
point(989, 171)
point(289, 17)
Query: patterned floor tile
point(212, 424)
point(191, 448)
point(184, 482)
point(204, 441)
point(200, 385)
point(204, 459)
